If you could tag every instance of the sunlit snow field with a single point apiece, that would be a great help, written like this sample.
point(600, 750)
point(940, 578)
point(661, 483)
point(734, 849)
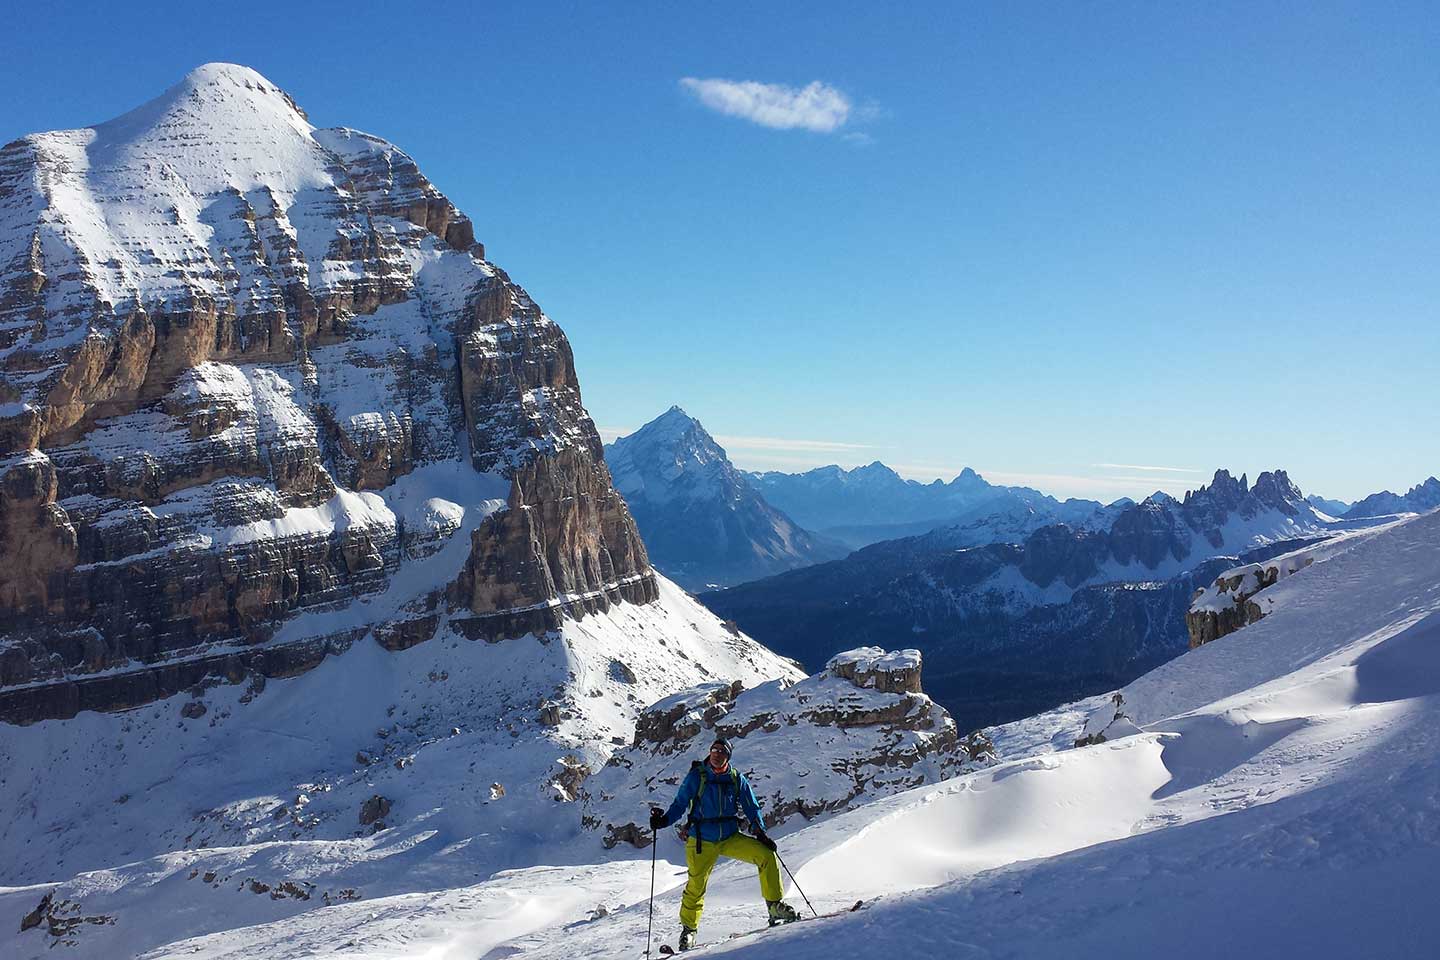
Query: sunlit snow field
point(1281, 799)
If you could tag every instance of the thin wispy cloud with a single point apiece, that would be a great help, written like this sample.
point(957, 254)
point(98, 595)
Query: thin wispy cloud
point(816, 106)
point(792, 455)
point(731, 441)
point(1132, 466)
point(780, 443)
point(611, 434)
point(1072, 485)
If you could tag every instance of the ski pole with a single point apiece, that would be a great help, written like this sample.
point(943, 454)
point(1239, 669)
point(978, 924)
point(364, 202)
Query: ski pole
point(654, 848)
point(797, 884)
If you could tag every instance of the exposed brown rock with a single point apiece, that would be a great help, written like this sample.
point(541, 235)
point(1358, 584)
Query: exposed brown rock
point(571, 774)
point(373, 809)
point(672, 722)
point(32, 919)
point(876, 672)
point(566, 533)
point(38, 545)
point(132, 430)
point(1227, 605)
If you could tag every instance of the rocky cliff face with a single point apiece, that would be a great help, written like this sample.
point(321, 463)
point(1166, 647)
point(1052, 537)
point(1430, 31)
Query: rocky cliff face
point(859, 728)
point(704, 524)
point(260, 390)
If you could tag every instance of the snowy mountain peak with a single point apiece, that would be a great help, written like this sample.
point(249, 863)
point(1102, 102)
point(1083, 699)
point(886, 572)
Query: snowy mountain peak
point(212, 92)
point(703, 521)
point(232, 341)
point(222, 125)
point(670, 456)
point(873, 471)
point(1224, 489)
point(1276, 490)
point(673, 423)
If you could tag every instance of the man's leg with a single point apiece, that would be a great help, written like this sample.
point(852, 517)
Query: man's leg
point(753, 851)
point(692, 901)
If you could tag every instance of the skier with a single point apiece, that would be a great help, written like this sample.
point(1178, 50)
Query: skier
point(711, 791)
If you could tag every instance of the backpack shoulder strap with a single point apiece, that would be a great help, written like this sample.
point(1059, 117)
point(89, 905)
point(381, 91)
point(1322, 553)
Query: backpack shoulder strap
point(700, 789)
point(692, 823)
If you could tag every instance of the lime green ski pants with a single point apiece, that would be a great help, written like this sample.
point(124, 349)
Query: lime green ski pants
point(737, 847)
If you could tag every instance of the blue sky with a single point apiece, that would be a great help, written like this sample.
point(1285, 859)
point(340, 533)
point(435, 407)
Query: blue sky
point(1041, 240)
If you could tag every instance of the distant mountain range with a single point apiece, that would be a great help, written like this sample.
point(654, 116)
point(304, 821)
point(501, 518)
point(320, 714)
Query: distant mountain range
point(702, 521)
point(1418, 499)
point(1335, 508)
point(1008, 628)
point(707, 524)
point(873, 503)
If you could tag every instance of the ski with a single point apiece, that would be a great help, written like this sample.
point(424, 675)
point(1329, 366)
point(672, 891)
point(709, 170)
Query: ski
point(669, 951)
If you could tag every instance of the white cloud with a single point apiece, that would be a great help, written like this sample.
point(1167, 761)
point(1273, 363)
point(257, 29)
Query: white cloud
point(780, 443)
point(816, 106)
point(732, 441)
point(1131, 466)
point(611, 434)
point(1072, 485)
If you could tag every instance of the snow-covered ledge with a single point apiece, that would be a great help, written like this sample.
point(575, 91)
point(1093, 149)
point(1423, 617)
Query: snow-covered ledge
point(857, 730)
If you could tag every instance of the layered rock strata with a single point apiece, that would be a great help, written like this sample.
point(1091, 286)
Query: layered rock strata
point(256, 374)
point(859, 728)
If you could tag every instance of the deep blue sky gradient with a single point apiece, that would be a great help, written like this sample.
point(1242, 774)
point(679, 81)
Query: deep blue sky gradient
point(1159, 234)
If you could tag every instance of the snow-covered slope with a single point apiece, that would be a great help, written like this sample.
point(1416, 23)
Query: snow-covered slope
point(262, 790)
point(703, 523)
point(1279, 801)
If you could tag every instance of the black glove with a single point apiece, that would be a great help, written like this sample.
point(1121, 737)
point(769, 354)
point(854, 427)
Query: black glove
point(657, 818)
point(765, 840)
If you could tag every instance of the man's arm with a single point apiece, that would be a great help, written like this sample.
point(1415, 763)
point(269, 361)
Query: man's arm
point(688, 786)
point(750, 804)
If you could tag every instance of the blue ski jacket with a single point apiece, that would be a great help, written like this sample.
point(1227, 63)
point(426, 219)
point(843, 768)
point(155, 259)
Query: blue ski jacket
point(718, 805)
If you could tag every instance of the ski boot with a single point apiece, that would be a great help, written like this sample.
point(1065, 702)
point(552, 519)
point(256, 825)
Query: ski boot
point(781, 912)
point(687, 938)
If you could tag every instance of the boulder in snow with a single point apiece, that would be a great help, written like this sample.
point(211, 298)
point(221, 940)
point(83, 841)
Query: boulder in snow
point(374, 809)
point(1108, 723)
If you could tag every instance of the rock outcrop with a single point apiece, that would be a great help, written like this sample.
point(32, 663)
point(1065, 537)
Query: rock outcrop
point(861, 728)
point(1230, 602)
point(249, 370)
point(374, 810)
